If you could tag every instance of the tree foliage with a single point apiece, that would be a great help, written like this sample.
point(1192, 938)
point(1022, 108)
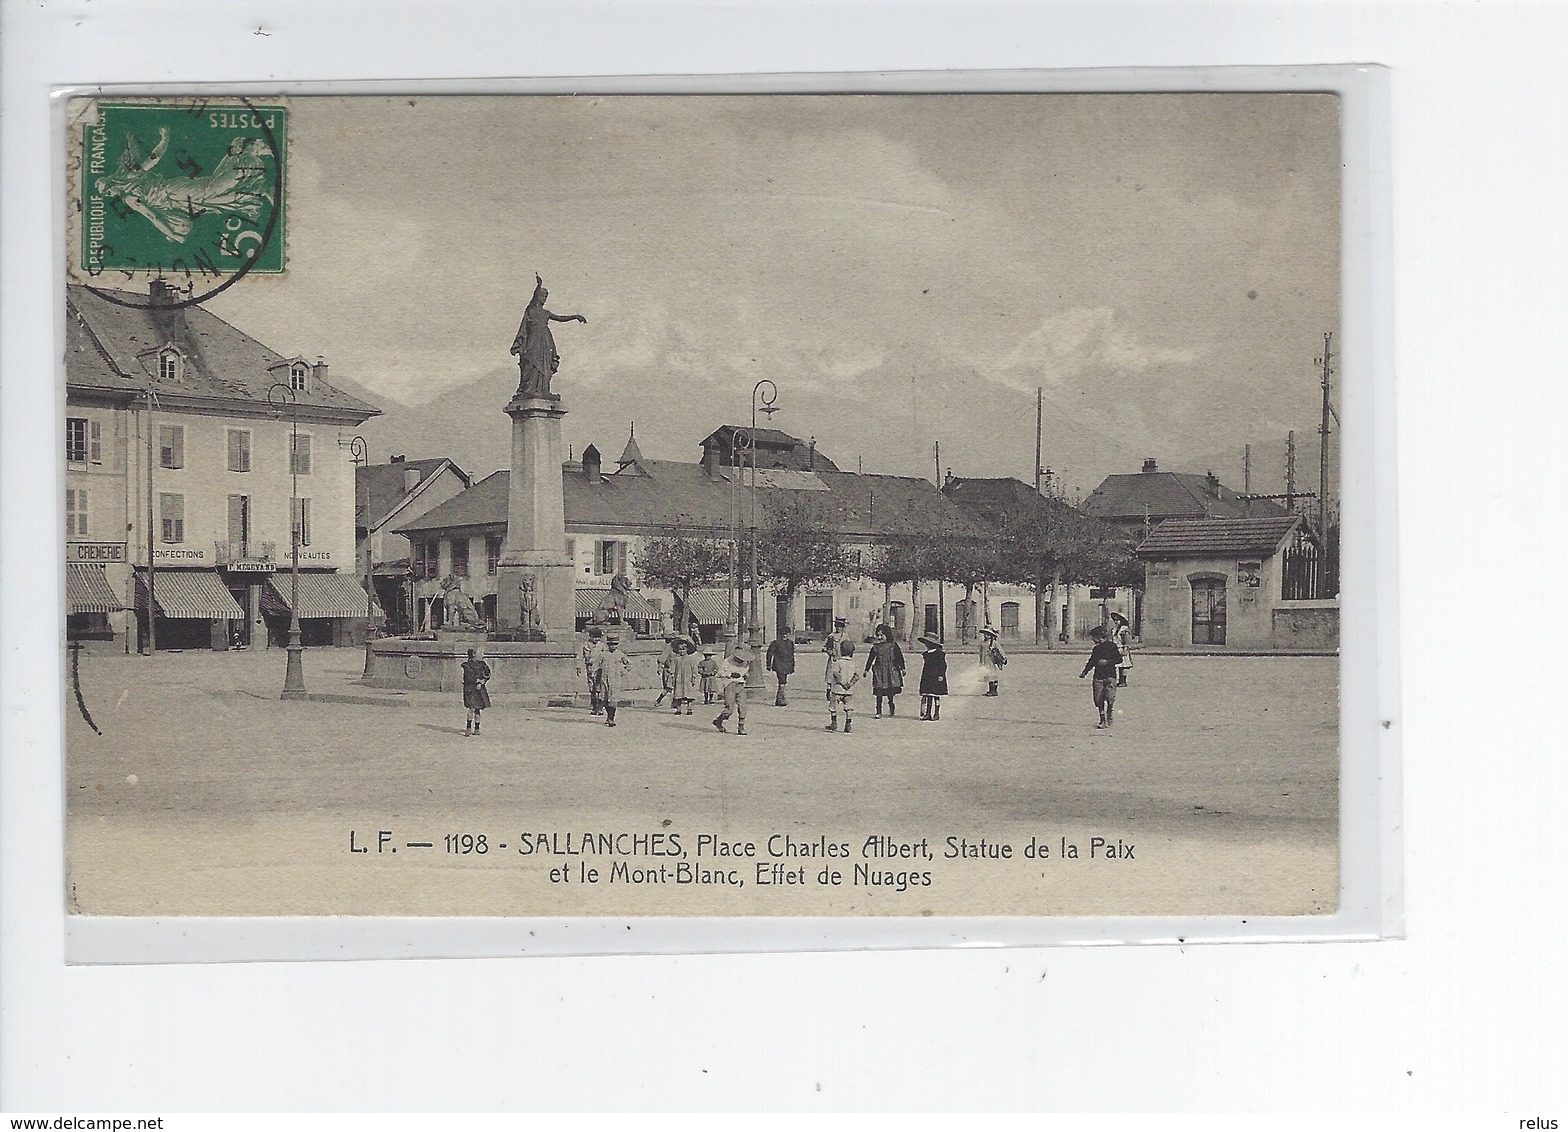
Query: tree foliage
point(798, 544)
point(681, 561)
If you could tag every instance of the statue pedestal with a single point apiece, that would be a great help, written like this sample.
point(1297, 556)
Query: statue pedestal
point(534, 567)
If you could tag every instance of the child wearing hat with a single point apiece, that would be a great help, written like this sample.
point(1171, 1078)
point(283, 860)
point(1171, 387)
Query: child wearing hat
point(685, 681)
point(475, 696)
point(831, 647)
point(992, 658)
point(1104, 660)
point(708, 670)
point(933, 679)
point(734, 676)
point(610, 676)
point(842, 679)
point(593, 648)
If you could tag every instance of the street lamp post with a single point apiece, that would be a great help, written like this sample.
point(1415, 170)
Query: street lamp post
point(294, 675)
point(359, 454)
point(763, 394)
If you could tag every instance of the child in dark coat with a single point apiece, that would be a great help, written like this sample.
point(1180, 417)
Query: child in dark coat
point(933, 679)
point(475, 696)
point(1103, 660)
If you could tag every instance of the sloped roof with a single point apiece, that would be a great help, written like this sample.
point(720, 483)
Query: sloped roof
point(1207, 538)
point(775, 449)
point(671, 494)
point(1172, 495)
point(379, 490)
point(999, 500)
point(112, 345)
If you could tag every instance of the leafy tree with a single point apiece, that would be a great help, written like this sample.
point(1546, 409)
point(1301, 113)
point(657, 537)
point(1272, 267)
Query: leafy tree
point(799, 544)
point(682, 561)
point(891, 562)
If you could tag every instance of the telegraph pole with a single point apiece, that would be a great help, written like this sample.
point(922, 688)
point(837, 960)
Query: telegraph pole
point(1327, 362)
point(1246, 470)
point(1290, 471)
point(1039, 409)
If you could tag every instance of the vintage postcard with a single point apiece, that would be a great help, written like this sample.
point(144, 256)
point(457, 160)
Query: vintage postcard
point(765, 505)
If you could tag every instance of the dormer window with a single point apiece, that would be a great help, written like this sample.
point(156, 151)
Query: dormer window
point(169, 365)
point(299, 377)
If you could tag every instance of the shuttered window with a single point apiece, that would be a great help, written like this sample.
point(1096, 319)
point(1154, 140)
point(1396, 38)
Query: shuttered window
point(171, 446)
point(299, 520)
point(171, 514)
point(75, 512)
point(299, 453)
point(239, 449)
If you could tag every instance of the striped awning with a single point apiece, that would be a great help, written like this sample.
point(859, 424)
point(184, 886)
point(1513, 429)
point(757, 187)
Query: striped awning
point(320, 595)
point(197, 594)
point(87, 589)
point(590, 602)
point(710, 607)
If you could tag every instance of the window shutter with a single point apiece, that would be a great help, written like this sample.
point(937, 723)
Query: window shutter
point(178, 444)
point(95, 446)
point(300, 449)
point(239, 450)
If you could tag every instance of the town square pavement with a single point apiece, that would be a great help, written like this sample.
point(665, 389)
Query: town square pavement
point(1215, 793)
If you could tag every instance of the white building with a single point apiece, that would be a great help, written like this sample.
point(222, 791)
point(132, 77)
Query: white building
point(193, 449)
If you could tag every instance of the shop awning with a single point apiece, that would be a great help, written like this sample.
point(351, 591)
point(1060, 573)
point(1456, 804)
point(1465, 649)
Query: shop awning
point(87, 589)
point(320, 595)
point(590, 602)
point(197, 594)
point(710, 607)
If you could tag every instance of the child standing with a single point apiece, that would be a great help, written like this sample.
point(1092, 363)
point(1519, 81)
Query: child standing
point(933, 679)
point(475, 696)
point(708, 669)
point(685, 682)
point(885, 664)
point(1103, 660)
point(1121, 635)
point(992, 658)
point(593, 648)
point(610, 676)
point(734, 677)
point(842, 679)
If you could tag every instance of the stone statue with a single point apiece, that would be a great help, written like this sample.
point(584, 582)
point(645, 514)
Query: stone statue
point(535, 345)
point(459, 606)
point(530, 613)
point(619, 596)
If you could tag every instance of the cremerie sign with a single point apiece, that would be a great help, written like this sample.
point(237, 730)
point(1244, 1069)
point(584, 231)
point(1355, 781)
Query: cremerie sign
point(95, 552)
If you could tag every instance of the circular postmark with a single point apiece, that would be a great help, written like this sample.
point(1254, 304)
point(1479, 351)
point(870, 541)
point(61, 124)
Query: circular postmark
point(189, 189)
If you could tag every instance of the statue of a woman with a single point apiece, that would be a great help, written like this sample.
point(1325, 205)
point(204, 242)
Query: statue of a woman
point(535, 345)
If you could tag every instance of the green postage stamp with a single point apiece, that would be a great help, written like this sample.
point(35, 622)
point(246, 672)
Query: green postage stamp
point(190, 188)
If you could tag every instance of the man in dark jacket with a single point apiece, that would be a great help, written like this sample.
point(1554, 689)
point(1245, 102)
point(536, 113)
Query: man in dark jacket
point(781, 662)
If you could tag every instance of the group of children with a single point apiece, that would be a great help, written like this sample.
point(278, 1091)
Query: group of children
point(684, 677)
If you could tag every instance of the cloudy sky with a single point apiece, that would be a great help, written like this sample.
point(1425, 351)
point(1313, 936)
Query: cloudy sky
point(907, 269)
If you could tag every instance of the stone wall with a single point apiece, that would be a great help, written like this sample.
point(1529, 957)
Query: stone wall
point(1306, 625)
point(524, 667)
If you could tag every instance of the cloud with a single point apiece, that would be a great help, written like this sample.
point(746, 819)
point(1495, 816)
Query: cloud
point(1083, 340)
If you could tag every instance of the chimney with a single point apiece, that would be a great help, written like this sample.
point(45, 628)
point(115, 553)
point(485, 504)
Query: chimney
point(1150, 466)
point(592, 464)
point(811, 460)
point(318, 372)
point(710, 457)
point(160, 292)
point(1212, 482)
point(410, 479)
point(397, 459)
